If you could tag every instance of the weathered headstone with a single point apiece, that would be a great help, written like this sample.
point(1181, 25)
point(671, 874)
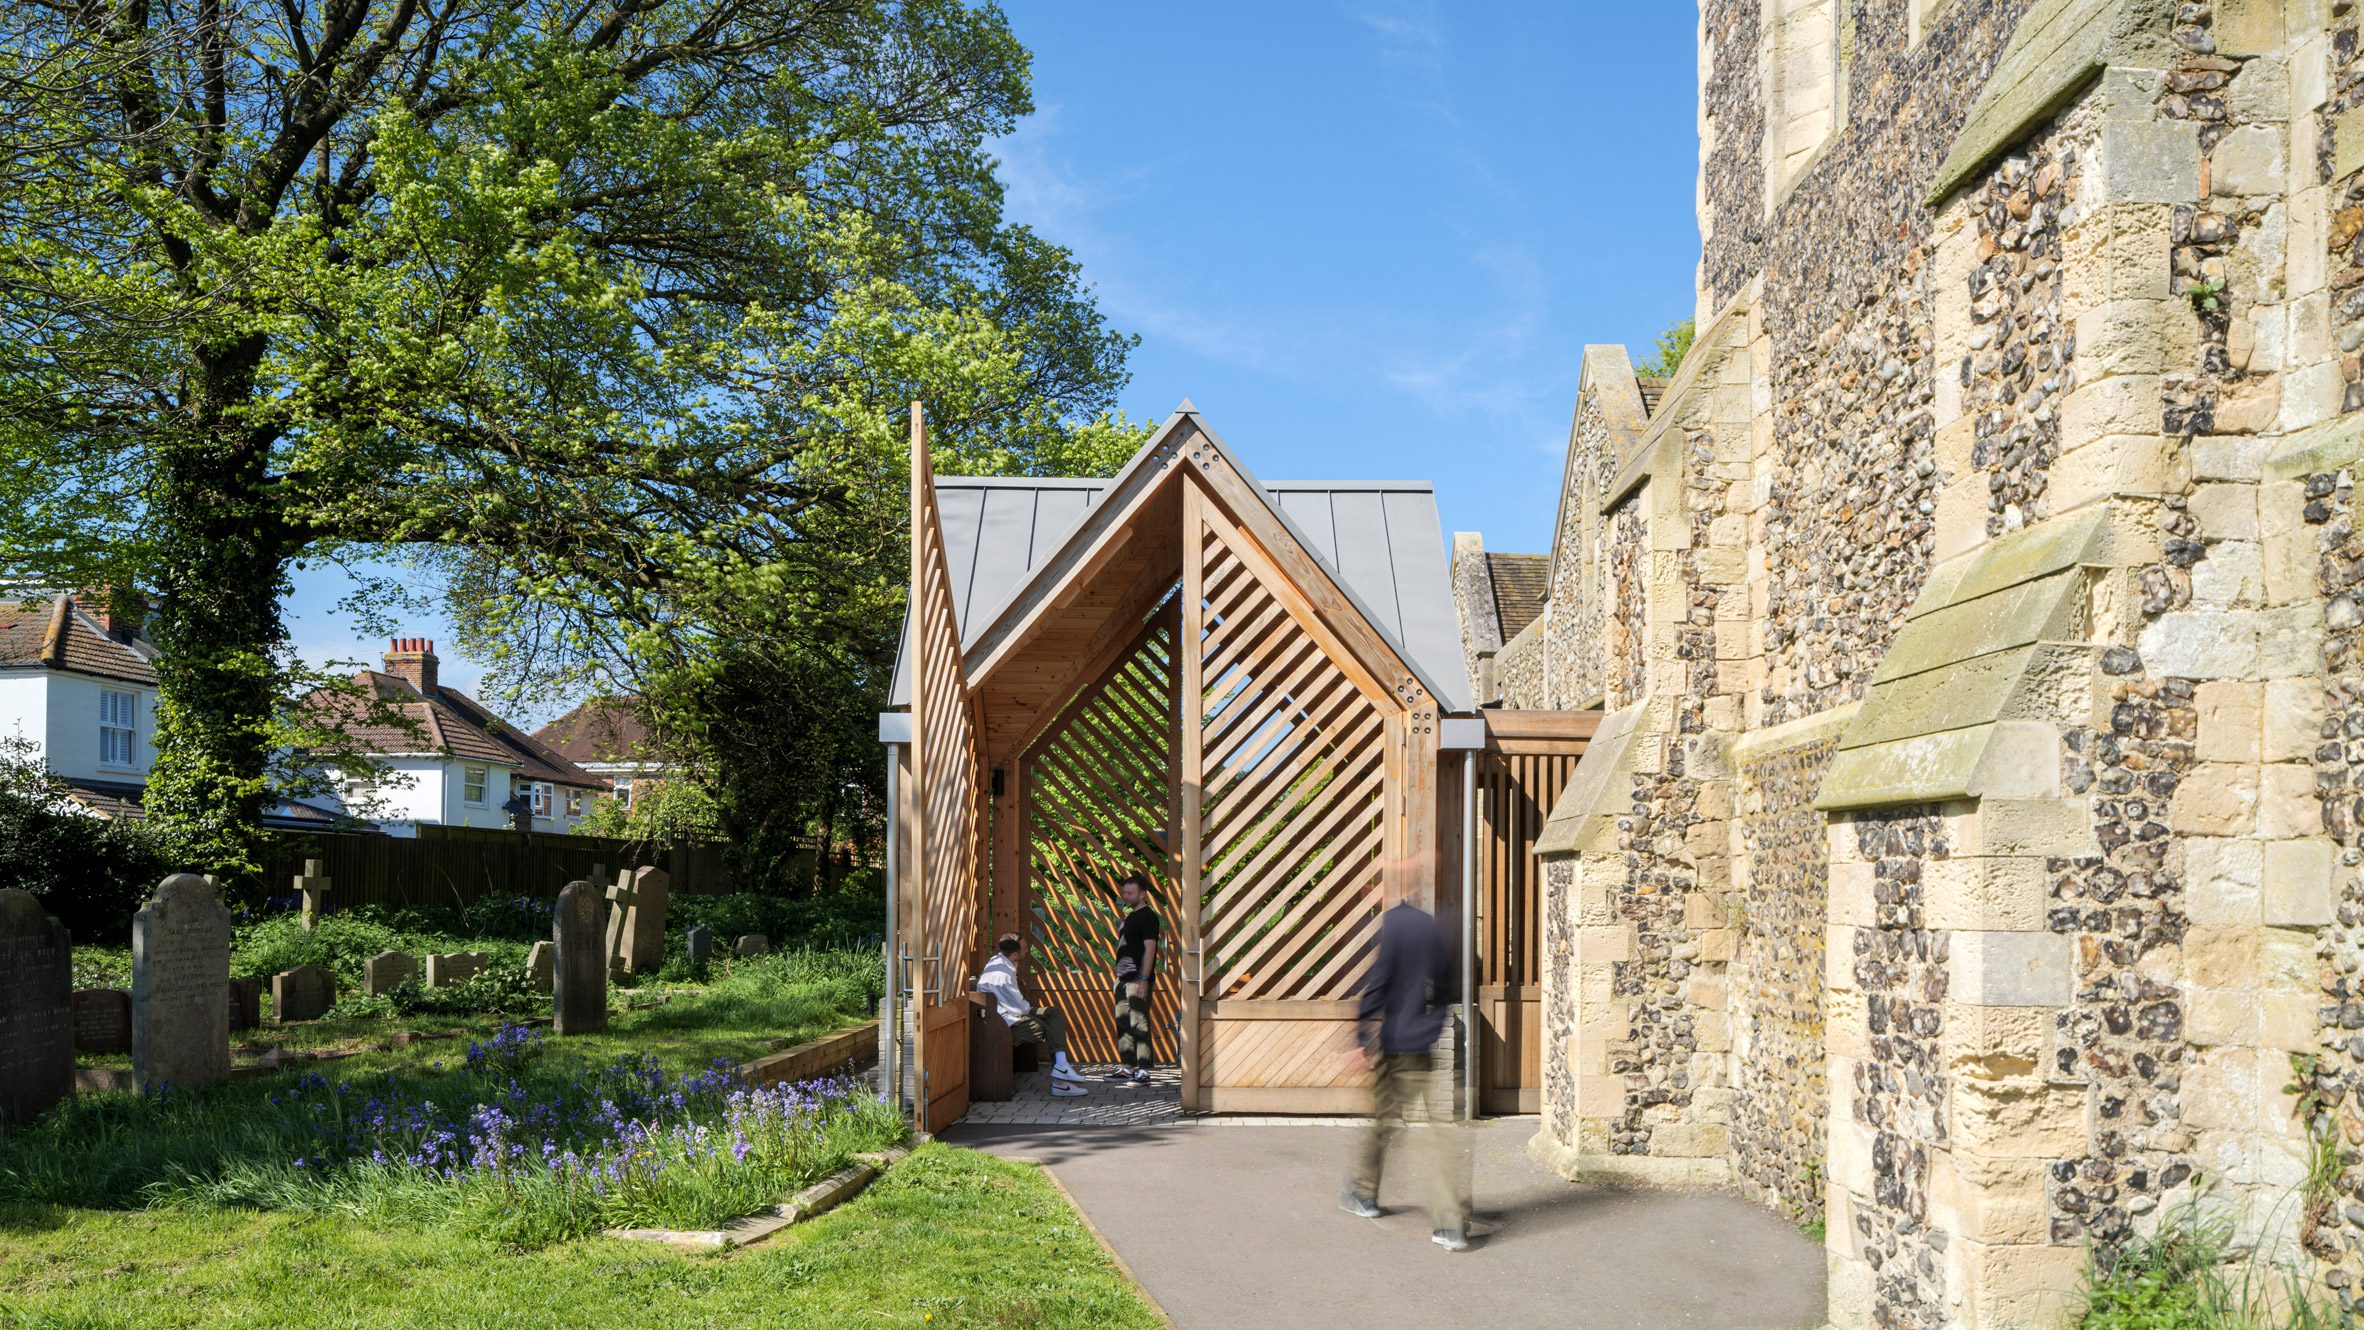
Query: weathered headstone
point(36, 1009)
point(246, 1004)
point(755, 944)
point(102, 1020)
point(304, 993)
point(644, 922)
point(453, 967)
point(581, 971)
point(541, 966)
point(701, 946)
point(313, 886)
point(619, 923)
point(381, 972)
point(180, 986)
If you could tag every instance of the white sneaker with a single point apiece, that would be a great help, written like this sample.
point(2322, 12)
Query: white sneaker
point(1062, 1090)
point(1068, 1074)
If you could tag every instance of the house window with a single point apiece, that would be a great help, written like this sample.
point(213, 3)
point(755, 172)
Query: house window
point(574, 803)
point(117, 727)
point(472, 782)
point(541, 794)
point(624, 791)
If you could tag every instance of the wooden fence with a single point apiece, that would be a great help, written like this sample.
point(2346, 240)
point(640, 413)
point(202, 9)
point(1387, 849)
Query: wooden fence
point(451, 866)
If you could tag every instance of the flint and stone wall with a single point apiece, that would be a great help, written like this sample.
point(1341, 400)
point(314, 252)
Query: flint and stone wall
point(1969, 854)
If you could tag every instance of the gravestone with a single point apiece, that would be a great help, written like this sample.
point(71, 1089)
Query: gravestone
point(644, 922)
point(701, 946)
point(304, 993)
point(755, 944)
point(102, 1020)
point(453, 967)
point(180, 986)
point(619, 923)
point(381, 972)
point(313, 886)
point(541, 965)
point(581, 969)
point(36, 1009)
point(246, 1003)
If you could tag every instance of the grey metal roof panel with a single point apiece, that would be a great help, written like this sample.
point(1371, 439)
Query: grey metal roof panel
point(1381, 540)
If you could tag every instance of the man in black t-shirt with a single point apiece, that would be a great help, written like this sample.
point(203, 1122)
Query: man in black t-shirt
point(1136, 962)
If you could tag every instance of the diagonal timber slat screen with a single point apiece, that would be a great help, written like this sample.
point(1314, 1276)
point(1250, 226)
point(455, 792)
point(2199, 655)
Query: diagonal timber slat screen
point(1293, 781)
point(1098, 804)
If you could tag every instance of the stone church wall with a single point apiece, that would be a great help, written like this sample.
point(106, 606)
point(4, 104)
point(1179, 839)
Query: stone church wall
point(1970, 852)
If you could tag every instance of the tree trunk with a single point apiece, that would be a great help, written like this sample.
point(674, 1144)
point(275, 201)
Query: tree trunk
point(219, 568)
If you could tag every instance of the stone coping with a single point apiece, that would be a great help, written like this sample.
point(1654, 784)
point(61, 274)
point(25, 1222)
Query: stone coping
point(1610, 754)
point(2336, 444)
point(1646, 457)
point(1798, 733)
point(819, 1198)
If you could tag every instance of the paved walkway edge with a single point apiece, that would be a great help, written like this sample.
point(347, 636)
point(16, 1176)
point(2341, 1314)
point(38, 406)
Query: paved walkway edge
point(1139, 1288)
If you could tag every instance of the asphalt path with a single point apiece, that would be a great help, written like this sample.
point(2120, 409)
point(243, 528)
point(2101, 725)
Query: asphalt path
point(1239, 1226)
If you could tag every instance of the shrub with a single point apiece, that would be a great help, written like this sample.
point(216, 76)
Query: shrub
point(93, 874)
point(846, 919)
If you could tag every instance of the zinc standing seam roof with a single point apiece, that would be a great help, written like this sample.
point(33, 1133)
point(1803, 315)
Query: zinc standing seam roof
point(1381, 540)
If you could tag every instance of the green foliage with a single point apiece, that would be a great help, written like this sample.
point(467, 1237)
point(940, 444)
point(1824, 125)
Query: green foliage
point(607, 316)
point(2207, 297)
point(502, 988)
point(2184, 1277)
point(850, 918)
point(91, 873)
point(662, 812)
point(1673, 345)
point(230, 1144)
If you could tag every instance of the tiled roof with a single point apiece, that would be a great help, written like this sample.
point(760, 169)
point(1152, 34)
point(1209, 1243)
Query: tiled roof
point(116, 799)
point(450, 722)
point(604, 729)
point(58, 632)
point(1521, 582)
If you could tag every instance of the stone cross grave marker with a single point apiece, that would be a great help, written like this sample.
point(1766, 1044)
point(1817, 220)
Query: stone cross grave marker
point(754, 944)
point(36, 1009)
point(304, 993)
point(619, 922)
point(644, 922)
point(453, 967)
point(246, 1003)
point(180, 986)
point(701, 946)
point(314, 886)
point(541, 966)
point(581, 972)
point(381, 972)
point(102, 1020)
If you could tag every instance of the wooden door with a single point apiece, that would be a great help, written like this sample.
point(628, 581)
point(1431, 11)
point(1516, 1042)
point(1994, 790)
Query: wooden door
point(1515, 795)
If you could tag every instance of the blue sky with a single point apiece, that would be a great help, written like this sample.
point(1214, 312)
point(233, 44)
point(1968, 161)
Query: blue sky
point(1368, 240)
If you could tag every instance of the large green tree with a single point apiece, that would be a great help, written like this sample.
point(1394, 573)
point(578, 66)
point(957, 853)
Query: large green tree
point(609, 305)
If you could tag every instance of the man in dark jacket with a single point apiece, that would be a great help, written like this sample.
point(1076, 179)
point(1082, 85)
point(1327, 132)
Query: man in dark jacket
point(1403, 1013)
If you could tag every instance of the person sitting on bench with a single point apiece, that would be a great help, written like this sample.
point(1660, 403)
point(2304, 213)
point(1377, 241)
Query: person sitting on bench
point(1028, 1023)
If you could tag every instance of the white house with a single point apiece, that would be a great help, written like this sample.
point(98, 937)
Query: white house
point(443, 758)
point(78, 685)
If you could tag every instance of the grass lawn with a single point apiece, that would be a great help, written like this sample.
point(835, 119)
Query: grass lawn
point(948, 1238)
point(192, 1210)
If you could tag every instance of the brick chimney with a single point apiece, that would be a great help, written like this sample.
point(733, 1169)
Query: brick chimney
point(413, 658)
point(118, 611)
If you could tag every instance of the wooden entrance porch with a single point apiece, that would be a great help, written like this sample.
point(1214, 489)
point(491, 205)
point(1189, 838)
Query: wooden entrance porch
point(1250, 693)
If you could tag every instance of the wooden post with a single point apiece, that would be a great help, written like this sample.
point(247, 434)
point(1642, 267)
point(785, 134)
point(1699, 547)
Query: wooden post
point(1419, 799)
point(1189, 743)
point(1009, 859)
